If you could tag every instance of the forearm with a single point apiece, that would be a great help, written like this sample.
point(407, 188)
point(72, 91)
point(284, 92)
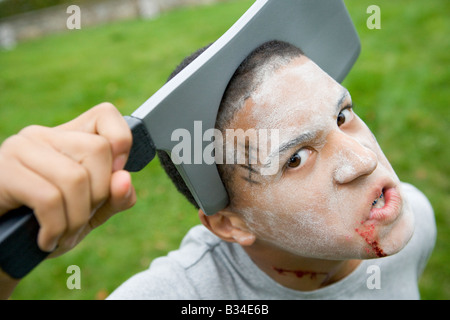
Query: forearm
point(7, 285)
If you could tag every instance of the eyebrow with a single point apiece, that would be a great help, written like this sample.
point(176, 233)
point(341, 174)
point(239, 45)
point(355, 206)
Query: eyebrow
point(304, 137)
point(285, 147)
point(344, 96)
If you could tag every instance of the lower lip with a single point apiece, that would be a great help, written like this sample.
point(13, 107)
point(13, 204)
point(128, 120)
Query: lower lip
point(391, 209)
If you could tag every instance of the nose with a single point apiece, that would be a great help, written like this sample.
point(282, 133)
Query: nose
point(351, 158)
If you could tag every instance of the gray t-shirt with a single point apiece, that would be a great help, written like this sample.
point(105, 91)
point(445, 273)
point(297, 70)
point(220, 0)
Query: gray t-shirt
point(205, 267)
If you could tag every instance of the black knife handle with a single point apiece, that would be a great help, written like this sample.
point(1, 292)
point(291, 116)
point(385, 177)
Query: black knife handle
point(143, 149)
point(19, 251)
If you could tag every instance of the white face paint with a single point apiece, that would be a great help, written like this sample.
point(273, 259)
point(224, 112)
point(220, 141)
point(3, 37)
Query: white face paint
point(322, 208)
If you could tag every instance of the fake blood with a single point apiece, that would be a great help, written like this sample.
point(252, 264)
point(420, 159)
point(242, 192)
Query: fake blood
point(300, 273)
point(367, 234)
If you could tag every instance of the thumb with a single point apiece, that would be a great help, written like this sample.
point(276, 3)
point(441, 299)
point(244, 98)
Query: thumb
point(122, 197)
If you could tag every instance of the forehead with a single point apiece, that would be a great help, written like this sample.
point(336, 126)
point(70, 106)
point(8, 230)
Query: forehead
point(299, 92)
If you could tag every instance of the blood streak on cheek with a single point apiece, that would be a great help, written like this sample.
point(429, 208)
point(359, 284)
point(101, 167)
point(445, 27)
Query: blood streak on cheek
point(367, 233)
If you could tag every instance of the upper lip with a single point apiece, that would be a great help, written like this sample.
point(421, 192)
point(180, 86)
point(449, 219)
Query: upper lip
point(381, 185)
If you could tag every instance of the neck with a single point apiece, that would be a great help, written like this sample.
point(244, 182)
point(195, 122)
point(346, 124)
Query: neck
point(296, 272)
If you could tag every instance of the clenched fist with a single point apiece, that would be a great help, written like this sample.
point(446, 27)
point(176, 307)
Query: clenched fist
point(71, 176)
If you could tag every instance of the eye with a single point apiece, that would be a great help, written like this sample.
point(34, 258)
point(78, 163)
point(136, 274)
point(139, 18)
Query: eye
point(344, 116)
point(299, 158)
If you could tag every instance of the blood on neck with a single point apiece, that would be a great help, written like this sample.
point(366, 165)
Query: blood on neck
point(299, 273)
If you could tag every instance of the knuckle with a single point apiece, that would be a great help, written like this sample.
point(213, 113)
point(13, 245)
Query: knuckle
point(11, 144)
point(107, 107)
point(100, 148)
point(32, 131)
point(76, 175)
point(51, 198)
point(100, 145)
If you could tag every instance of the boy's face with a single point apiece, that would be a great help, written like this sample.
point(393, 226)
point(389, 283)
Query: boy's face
point(319, 204)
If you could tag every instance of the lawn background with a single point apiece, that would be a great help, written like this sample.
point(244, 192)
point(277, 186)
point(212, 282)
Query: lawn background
point(399, 85)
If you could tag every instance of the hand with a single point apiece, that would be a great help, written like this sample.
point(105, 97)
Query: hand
point(71, 176)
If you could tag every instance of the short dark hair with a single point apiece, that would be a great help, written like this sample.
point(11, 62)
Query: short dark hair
point(245, 81)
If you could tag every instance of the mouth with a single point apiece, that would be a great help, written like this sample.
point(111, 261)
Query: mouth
point(386, 206)
point(379, 202)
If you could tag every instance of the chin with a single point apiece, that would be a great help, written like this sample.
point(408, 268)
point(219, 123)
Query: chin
point(401, 233)
point(392, 239)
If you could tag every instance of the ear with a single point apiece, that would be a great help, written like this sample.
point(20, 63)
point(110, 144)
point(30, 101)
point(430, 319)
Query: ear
point(228, 226)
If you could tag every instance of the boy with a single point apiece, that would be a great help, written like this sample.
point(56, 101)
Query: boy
point(334, 207)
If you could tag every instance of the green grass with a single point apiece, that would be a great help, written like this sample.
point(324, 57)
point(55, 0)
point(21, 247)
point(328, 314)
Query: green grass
point(399, 84)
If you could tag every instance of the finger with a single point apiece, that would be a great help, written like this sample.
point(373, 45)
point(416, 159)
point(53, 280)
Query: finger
point(106, 120)
point(70, 178)
point(122, 197)
point(25, 187)
point(90, 151)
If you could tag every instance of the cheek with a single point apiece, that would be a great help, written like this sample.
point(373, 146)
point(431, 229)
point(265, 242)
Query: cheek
point(370, 141)
point(295, 223)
